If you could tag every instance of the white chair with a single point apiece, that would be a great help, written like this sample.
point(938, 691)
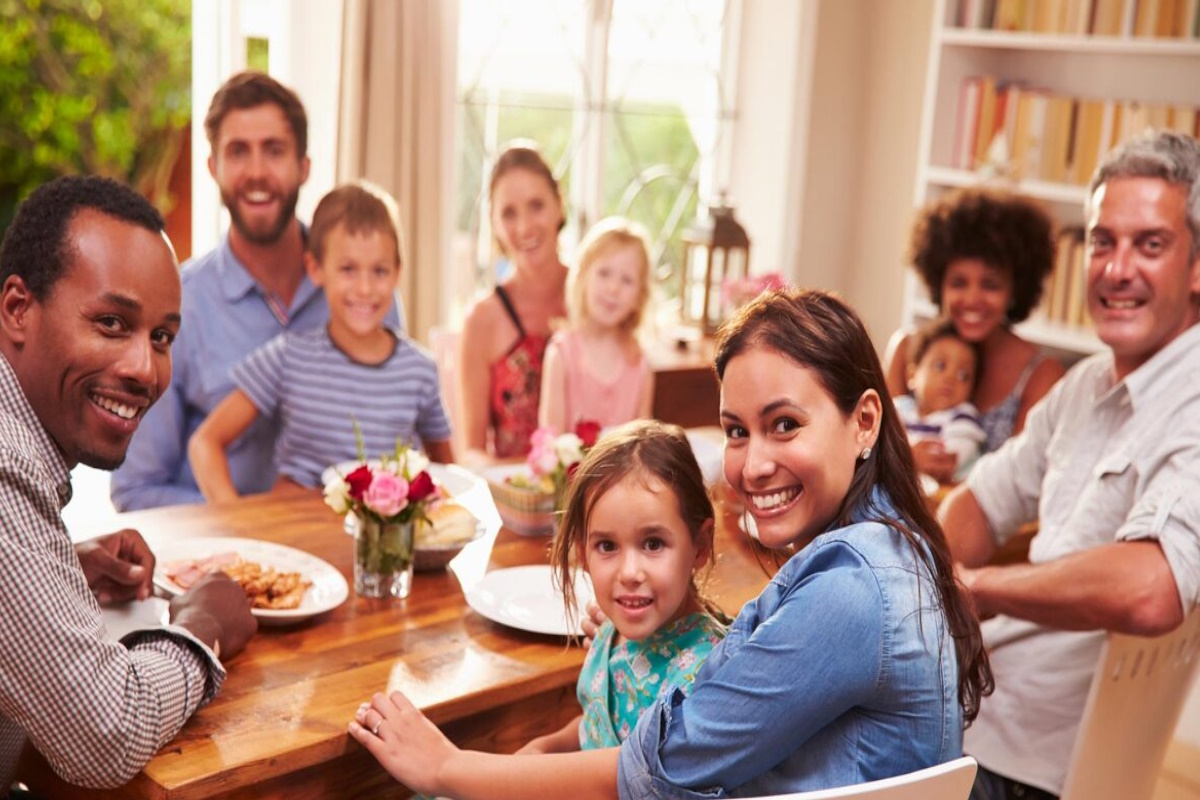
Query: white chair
point(949, 781)
point(1133, 706)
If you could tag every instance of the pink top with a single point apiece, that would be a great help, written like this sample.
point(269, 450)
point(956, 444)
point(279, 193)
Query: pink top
point(607, 399)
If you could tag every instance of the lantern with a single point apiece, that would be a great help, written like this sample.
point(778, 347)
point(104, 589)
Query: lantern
point(715, 249)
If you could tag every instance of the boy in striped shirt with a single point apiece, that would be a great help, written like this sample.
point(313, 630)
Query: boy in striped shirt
point(354, 370)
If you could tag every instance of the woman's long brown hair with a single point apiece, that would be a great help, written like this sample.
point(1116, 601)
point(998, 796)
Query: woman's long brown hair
point(818, 331)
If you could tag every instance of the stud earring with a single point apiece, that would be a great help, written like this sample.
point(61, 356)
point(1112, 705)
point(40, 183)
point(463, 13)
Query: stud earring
point(865, 454)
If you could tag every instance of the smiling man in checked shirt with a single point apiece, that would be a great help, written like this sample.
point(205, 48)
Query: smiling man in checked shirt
point(89, 306)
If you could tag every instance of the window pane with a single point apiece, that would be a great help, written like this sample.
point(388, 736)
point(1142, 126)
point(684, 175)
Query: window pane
point(663, 114)
point(520, 75)
point(643, 147)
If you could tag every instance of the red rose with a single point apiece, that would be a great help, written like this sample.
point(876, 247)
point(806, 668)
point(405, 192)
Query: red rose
point(589, 431)
point(359, 481)
point(420, 487)
point(571, 470)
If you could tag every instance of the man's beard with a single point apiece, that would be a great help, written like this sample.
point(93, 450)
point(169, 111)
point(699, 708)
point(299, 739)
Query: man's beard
point(272, 233)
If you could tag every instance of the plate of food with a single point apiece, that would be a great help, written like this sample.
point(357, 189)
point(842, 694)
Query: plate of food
point(526, 598)
point(285, 585)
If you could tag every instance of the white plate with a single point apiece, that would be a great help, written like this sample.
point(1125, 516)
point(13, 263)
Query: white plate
point(709, 454)
point(746, 523)
point(500, 473)
point(525, 598)
point(328, 590)
point(467, 488)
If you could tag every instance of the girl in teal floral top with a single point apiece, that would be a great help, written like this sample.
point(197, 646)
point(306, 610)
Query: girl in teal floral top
point(640, 523)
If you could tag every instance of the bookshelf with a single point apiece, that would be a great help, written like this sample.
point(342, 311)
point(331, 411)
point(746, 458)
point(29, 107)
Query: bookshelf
point(1069, 95)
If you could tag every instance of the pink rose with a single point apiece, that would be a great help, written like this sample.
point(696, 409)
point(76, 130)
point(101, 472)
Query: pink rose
point(387, 495)
point(542, 458)
point(541, 439)
point(542, 461)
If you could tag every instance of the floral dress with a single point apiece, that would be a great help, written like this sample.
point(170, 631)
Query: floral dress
point(516, 386)
point(618, 682)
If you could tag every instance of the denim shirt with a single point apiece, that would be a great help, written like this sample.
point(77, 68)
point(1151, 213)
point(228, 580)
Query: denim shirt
point(841, 671)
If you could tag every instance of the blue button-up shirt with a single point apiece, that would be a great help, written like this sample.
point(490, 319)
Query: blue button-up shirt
point(226, 316)
point(841, 671)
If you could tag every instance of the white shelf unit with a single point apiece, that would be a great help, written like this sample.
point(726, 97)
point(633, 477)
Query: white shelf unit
point(1090, 67)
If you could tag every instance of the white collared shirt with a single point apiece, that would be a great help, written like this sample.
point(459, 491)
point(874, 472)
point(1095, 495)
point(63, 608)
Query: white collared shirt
point(1099, 462)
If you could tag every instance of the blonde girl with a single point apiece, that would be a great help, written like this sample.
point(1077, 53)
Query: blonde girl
point(640, 523)
point(594, 368)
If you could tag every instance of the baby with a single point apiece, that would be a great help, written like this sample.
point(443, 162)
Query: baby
point(942, 373)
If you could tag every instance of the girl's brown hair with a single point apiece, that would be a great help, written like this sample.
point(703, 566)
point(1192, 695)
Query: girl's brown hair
point(819, 332)
point(648, 450)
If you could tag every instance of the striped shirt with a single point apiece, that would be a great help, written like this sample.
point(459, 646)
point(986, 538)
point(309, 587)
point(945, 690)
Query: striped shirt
point(318, 392)
point(96, 709)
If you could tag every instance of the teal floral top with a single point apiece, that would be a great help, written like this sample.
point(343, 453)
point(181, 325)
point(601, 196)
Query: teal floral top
point(618, 682)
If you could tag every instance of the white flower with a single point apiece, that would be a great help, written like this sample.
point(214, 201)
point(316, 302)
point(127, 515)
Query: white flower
point(569, 448)
point(412, 463)
point(337, 495)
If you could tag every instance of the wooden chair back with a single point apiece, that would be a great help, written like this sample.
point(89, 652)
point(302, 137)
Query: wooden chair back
point(1134, 703)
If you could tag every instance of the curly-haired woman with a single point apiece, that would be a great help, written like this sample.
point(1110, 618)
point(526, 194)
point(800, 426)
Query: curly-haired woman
point(984, 257)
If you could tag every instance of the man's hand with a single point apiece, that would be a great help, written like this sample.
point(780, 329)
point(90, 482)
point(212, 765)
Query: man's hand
point(217, 611)
point(119, 567)
point(932, 458)
point(967, 578)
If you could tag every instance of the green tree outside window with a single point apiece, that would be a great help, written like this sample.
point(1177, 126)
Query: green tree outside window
point(102, 88)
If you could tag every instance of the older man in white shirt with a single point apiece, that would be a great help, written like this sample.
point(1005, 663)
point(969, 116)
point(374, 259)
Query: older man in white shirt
point(1109, 466)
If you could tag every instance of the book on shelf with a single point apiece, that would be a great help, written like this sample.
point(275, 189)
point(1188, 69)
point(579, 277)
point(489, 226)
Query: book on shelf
point(1163, 19)
point(1107, 17)
point(1089, 133)
point(1064, 301)
point(985, 128)
point(1047, 136)
point(967, 118)
point(1027, 134)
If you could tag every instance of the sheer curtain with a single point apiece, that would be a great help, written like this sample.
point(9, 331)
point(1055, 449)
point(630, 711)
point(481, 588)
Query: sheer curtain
point(397, 129)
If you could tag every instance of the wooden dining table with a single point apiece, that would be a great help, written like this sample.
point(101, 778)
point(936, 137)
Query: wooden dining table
point(278, 727)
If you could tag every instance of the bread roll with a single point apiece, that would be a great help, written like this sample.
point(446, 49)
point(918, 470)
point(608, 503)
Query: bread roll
point(449, 523)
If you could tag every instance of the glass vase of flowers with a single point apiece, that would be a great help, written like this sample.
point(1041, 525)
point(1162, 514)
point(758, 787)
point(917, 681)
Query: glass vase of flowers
point(385, 500)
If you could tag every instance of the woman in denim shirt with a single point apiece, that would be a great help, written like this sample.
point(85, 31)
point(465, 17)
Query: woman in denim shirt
point(860, 660)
